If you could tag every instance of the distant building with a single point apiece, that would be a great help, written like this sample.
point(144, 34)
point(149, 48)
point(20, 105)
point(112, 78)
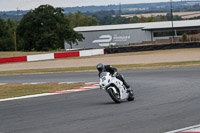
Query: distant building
point(124, 34)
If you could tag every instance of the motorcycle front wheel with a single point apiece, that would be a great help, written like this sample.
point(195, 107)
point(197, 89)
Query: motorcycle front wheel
point(114, 96)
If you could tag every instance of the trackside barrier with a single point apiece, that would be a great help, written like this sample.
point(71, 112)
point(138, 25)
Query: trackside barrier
point(52, 56)
point(66, 54)
point(91, 52)
point(152, 47)
point(13, 59)
point(40, 57)
point(98, 52)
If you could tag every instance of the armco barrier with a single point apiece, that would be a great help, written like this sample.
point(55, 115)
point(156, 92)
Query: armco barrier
point(91, 52)
point(40, 57)
point(66, 54)
point(52, 56)
point(13, 59)
point(151, 47)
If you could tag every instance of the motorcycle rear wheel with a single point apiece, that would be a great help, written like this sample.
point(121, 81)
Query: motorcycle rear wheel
point(131, 96)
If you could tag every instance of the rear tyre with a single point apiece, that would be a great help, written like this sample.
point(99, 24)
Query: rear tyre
point(131, 96)
point(114, 96)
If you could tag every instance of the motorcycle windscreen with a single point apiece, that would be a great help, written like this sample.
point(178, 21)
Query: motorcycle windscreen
point(103, 74)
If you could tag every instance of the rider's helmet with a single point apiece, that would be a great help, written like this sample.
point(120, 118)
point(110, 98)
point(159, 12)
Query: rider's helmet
point(100, 67)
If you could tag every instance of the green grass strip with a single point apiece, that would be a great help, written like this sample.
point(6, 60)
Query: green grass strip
point(17, 90)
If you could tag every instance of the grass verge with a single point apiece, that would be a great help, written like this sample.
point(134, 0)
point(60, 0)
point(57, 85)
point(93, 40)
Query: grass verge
point(14, 54)
point(17, 90)
point(93, 68)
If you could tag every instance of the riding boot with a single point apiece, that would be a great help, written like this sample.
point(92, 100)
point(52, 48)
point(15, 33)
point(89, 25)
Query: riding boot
point(127, 85)
point(121, 77)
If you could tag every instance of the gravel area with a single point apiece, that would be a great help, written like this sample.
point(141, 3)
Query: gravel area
point(151, 57)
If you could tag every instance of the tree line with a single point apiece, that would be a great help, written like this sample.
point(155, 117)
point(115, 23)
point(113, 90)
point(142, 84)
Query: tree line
point(113, 17)
point(43, 29)
point(7, 29)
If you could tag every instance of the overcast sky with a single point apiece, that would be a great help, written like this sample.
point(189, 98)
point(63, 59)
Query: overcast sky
point(7, 5)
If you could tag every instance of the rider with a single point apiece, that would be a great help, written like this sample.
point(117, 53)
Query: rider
point(113, 71)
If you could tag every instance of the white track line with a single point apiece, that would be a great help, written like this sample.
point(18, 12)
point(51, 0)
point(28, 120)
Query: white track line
point(24, 97)
point(64, 83)
point(187, 129)
point(34, 83)
point(3, 83)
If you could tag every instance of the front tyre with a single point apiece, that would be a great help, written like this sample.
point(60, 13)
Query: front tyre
point(115, 97)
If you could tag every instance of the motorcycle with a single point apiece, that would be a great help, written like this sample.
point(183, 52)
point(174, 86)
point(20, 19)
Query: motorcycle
point(115, 88)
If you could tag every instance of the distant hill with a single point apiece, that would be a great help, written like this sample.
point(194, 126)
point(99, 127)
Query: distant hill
point(188, 5)
point(125, 7)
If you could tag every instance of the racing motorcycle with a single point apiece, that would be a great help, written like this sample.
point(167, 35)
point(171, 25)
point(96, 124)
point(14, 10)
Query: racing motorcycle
point(115, 88)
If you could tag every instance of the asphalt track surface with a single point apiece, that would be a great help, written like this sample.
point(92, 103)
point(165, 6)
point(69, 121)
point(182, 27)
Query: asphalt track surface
point(166, 99)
